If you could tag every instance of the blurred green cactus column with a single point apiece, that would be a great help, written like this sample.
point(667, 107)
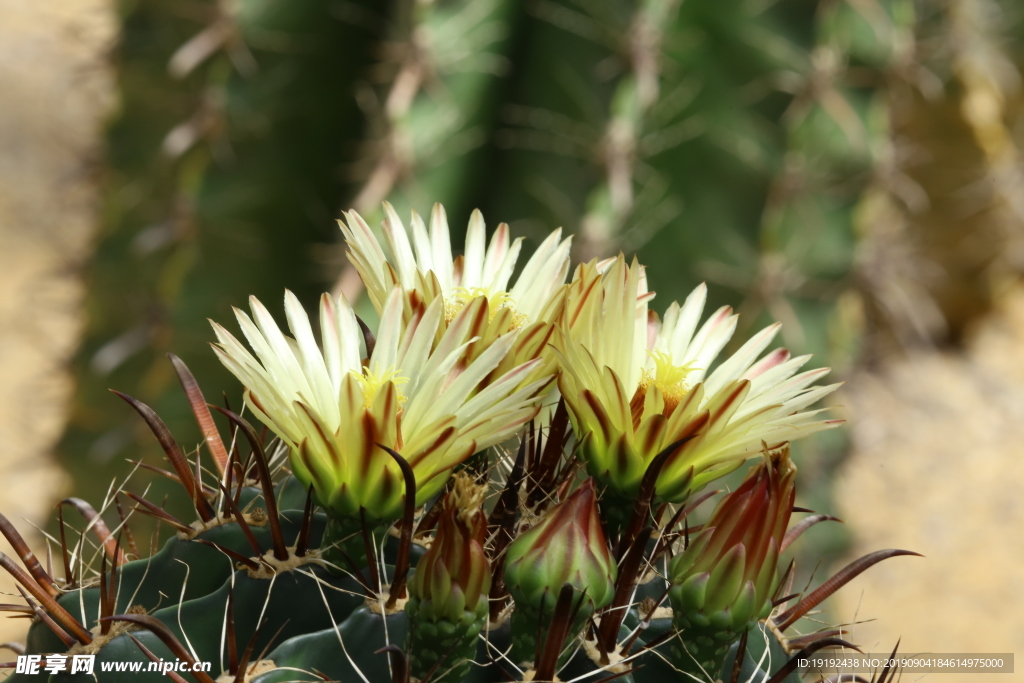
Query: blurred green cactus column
point(222, 171)
point(814, 247)
point(838, 143)
point(721, 140)
point(724, 141)
point(610, 204)
point(431, 106)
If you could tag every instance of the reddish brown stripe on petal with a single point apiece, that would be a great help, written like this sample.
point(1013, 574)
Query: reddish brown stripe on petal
point(584, 296)
point(332, 449)
point(387, 485)
point(774, 358)
point(636, 405)
point(369, 428)
point(325, 438)
point(621, 454)
point(457, 266)
point(255, 401)
point(654, 433)
point(438, 443)
point(736, 394)
point(602, 417)
point(696, 425)
point(480, 316)
point(307, 459)
point(536, 336)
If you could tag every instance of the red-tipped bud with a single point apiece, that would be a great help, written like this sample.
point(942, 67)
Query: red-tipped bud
point(732, 562)
point(567, 545)
point(454, 576)
point(722, 582)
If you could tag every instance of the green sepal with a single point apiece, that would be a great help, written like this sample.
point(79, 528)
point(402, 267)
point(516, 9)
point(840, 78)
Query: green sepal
point(726, 578)
point(744, 608)
point(721, 621)
point(690, 596)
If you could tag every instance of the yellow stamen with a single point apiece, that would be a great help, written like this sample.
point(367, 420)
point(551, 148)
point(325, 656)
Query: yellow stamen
point(468, 496)
point(496, 301)
point(373, 381)
point(670, 379)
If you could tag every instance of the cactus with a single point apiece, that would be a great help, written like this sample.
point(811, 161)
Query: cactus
point(699, 134)
point(380, 445)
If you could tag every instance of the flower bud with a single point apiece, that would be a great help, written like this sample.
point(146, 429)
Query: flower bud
point(447, 605)
point(566, 546)
point(722, 582)
point(453, 575)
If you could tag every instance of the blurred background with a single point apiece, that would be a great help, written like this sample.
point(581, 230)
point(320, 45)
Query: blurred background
point(851, 168)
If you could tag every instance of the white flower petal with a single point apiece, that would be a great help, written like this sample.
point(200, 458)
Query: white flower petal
point(421, 240)
point(441, 241)
point(476, 237)
point(496, 251)
point(398, 241)
point(737, 364)
point(385, 350)
point(683, 322)
point(312, 360)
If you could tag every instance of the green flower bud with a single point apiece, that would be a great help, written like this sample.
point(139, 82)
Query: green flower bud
point(567, 545)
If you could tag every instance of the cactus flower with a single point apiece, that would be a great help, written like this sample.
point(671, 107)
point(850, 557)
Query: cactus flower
point(333, 407)
point(425, 269)
point(722, 583)
point(635, 386)
point(426, 265)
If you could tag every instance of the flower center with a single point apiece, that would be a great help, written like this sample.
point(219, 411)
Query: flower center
point(373, 380)
point(496, 301)
point(670, 379)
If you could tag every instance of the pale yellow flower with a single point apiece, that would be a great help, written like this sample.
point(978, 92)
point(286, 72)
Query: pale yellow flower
point(332, 407)
point(421, 263)
point(634, 386)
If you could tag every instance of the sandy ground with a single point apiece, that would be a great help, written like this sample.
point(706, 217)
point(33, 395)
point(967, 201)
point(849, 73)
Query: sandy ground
point(938, 467)
point(55, 90)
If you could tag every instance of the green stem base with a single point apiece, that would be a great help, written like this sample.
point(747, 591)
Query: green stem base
point(443, 643)
point(701, 648)
point(343, 537)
